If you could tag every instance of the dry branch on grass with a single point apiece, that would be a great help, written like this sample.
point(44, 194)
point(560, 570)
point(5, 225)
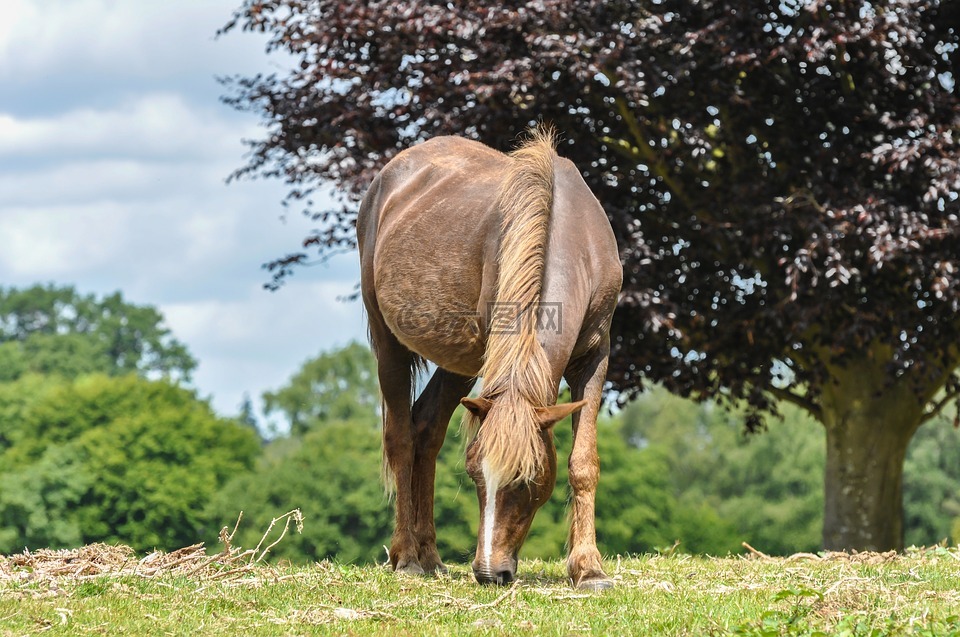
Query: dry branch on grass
point(857, 557)
point(98, 560)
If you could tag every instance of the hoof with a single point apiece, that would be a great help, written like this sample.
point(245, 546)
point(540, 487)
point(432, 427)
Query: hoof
point(595, 584)
point(434, 569)
point(409, 568)
point(431, 563)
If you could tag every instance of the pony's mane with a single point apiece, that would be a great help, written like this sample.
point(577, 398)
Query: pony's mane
point(515, 371)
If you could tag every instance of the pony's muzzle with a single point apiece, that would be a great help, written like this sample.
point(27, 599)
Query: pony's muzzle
point(500, 575)
point(499, 578)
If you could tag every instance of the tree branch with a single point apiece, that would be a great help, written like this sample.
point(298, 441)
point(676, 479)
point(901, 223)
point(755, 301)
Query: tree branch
point(642, 150)
point(938, 406)
point(800, 401)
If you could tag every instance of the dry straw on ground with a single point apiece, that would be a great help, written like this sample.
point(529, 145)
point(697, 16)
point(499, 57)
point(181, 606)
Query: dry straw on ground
point(98, 560)
point(856, 557)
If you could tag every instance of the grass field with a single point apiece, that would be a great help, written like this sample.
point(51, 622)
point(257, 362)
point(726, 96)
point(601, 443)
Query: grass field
point(102, 590)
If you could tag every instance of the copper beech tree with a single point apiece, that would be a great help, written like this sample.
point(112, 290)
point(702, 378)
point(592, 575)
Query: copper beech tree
point(782, 177)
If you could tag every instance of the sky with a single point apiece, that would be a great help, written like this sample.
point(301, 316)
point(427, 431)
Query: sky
point(114, 153)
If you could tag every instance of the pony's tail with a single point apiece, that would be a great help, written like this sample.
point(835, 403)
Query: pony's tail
point(525, 202)
point(515, 370)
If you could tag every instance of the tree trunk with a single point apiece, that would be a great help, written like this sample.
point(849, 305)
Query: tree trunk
point(869, 425)
point(863, 499)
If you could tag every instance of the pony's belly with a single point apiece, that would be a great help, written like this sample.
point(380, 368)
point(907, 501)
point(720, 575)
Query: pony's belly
point(449, 337)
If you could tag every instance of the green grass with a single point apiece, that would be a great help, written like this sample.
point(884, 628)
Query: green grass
point(916, 594)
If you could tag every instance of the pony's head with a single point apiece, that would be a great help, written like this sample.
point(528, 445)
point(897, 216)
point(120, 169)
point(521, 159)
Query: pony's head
point(513, 461)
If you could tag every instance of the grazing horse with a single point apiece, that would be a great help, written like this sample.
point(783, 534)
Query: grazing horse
point(502, 267)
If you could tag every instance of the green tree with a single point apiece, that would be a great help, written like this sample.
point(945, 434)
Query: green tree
point(768, 489)
point(16, 398)
point(770, 486)
point(248, 416)
point(101, 459)
point(455, 504)
point(334, 386)
point(331, 474)
point(782, 178)
point(637, 510)
point(329, 467)
point(731, 487)
point(673, 469)
point(931, 485)
point(56, 330)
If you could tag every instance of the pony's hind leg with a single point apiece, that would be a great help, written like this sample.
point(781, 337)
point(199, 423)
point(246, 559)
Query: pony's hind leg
point(395, 365)
point(586, 377)
point(431, 416)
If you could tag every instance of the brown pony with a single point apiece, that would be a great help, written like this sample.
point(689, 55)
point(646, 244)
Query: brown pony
point(502, 267)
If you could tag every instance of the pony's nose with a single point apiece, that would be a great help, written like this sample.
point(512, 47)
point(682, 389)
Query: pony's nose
point(499, 578)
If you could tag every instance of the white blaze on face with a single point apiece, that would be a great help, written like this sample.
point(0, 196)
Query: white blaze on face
point(491, 483)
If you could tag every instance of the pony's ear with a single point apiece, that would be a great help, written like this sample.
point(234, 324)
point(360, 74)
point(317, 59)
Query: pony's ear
point(477, 406)
point(549, 416)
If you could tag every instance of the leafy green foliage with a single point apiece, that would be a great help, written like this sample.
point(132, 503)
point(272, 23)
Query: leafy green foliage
point(455, 503)
point(766, 490)
point(56, 330)
point(336, 385)
point(16, 398)
point(672, 470)
point(782, 178)
point(332, 475)
point(147, 464)
point(931, 485)
point(329, 468)
point(102, 459)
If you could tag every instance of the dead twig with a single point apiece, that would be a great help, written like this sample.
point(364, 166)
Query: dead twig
point(294, 515)
point(104, 560)
point(755, 552)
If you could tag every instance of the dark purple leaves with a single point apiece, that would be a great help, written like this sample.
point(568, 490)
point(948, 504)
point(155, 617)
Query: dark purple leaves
point(782, 177)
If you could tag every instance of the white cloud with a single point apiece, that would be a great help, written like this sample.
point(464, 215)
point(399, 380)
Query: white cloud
point(113, 154)
point(258, 341)
point(150, 125)
point(261, 320)
point(148, 39)
point(196, 239)
point(57, 241)
point(97, 181)
point(140, 183)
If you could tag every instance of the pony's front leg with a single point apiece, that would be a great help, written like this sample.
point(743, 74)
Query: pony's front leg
point(431, 417)
point(394, 369)
point(586, 377)
point(398, 449)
